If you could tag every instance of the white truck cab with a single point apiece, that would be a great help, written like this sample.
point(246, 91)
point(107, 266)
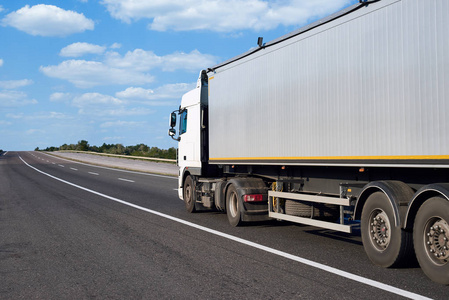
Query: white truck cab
point(192, 130)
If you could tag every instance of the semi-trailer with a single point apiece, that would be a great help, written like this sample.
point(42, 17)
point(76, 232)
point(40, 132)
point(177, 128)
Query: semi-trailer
point(341, 121)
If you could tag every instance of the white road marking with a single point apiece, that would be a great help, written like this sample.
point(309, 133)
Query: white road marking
point(335, 271)
point(61, 166)
point(93, 173)
point(127, 180)
point(73, 169)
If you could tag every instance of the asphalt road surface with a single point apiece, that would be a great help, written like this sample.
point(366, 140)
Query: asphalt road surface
point(75, 231)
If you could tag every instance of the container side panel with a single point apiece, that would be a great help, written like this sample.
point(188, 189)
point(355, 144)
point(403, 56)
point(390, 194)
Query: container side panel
point(373, 84)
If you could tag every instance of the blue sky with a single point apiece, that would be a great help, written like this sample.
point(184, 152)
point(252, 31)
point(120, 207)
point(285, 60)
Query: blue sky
point(111, 71)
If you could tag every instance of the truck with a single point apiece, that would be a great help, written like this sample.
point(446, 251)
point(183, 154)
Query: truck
point(341, 123)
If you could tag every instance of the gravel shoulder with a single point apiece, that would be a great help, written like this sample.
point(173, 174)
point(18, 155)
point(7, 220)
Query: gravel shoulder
point(131, 164)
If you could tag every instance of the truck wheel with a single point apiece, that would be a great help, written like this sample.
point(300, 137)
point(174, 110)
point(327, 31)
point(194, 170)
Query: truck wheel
point(385, 244)
point(189, 191)
point(431, 239)
point(233, 206)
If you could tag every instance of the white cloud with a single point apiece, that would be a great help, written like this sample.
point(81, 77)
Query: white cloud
point(85, 74)
point(5, 122)
point(221, 15)
point(47, 20)
point(139, 60)
point(1, 62)
point(15, 99)
point(60, 97)
point(80, 49)
point(145, 60)
point(40, 116)
point(116, 46)
point(14, 84)
point(168, 91)
point(101, 105)
point(34, 131)
point(121, 124)
point(91, 99)
point(187, 61)
point(130, 69)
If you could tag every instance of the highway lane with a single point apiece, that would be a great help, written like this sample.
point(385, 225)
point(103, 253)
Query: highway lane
point(58, 241)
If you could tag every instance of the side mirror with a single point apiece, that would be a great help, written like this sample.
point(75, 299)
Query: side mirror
point(172, 132)
point(173, 119)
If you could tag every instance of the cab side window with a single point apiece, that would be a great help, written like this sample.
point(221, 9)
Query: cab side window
point(183, 122)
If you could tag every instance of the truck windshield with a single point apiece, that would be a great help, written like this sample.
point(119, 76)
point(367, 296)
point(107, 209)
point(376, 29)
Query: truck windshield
point(183, 122)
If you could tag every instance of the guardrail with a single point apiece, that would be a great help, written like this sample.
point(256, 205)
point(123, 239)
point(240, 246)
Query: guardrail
point(165, 160)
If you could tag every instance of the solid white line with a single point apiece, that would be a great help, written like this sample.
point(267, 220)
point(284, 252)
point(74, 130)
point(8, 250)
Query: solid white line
point(301, 260)
point(127, 180)
point(93, 173)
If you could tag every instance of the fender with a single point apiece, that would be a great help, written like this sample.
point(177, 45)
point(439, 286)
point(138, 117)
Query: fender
point(247, 186)
point(398, 193)
point(424, 193)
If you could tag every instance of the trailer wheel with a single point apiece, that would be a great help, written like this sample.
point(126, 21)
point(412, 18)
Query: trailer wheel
point(189, 191)
point(233, 206)
point(431, 239)
point(385, 244)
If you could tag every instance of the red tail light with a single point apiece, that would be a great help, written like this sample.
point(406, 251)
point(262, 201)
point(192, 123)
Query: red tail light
point(253, 198)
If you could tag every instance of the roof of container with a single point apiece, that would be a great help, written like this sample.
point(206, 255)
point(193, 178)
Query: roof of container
point(339, 14)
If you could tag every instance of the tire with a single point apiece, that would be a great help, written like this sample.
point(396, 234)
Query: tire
point(304, 209)
point(296, 208)
point(189, 194)
point(233, 207)
point(431, 239)
point(385, 244)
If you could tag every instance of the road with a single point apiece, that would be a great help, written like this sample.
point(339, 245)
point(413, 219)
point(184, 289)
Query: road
point(76, 231)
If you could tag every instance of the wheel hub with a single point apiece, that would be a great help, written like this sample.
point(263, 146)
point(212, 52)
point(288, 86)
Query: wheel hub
point(437, 241)
point(380, 229)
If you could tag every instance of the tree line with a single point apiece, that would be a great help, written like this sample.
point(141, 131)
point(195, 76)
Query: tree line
point(137, 150)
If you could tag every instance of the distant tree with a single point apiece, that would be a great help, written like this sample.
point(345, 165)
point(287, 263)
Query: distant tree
point(83, 145)
point(136, 150)
point(171, 153)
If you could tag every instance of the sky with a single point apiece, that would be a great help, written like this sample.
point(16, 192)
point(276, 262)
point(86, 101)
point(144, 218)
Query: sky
point(111, 71)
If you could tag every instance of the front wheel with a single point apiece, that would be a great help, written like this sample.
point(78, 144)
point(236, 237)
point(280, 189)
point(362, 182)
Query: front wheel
point(431, 239)
point(189, 194)
point(233, 207)
point(385, 244)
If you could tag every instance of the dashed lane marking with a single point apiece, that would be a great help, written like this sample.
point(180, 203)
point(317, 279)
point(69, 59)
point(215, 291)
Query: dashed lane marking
point(127, 180)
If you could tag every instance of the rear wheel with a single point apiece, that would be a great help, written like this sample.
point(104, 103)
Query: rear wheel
point(233, 206)
point(189, 191)
point(385, 244)
point(431, 239)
